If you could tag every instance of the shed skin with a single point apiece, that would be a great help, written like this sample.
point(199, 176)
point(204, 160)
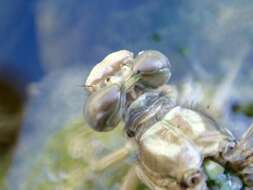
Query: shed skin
point(189, 135)
point(111, 64)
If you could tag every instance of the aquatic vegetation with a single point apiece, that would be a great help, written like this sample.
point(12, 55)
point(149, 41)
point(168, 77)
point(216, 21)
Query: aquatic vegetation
point(218, 179)
point(68, 157)
point(246, 109)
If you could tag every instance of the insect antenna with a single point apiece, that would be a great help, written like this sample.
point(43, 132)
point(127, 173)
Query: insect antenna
point(85, 86)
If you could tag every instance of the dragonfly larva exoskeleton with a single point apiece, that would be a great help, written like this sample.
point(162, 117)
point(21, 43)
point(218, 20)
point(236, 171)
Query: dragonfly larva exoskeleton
point(114, 68)
point(172, 142)
point(167, 159)
point(120, 77)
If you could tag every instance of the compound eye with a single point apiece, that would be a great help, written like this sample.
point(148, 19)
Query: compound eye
point(154, 68)
point(103, 108)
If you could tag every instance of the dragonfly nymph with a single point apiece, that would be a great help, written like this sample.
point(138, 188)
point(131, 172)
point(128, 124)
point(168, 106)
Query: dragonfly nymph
point(176, 147)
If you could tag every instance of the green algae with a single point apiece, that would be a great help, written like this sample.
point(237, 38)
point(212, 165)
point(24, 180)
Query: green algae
point(219, 178)
point(66, 160)
point(246, 109)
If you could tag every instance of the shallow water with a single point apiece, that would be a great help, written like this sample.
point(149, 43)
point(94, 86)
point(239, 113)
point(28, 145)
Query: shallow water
point(209, 45)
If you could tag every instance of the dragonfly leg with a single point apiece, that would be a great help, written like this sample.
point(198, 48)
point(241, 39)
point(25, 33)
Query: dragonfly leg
point(131, 180)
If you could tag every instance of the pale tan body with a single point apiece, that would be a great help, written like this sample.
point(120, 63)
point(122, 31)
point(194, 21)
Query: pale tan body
point(170, 151)
point(176, 147)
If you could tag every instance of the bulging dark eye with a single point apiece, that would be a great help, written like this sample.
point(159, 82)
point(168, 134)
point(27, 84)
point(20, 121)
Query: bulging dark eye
point(102, 109)
point(154, 68)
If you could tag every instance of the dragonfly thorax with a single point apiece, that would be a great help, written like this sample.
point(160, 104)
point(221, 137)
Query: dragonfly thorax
point(145, 111)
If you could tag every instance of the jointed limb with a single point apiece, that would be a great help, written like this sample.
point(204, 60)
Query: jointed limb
point(131, 180)
point(240, 158)
point(112, 158)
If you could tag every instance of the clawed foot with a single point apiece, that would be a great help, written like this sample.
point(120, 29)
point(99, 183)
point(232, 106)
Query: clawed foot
point(240, 157)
